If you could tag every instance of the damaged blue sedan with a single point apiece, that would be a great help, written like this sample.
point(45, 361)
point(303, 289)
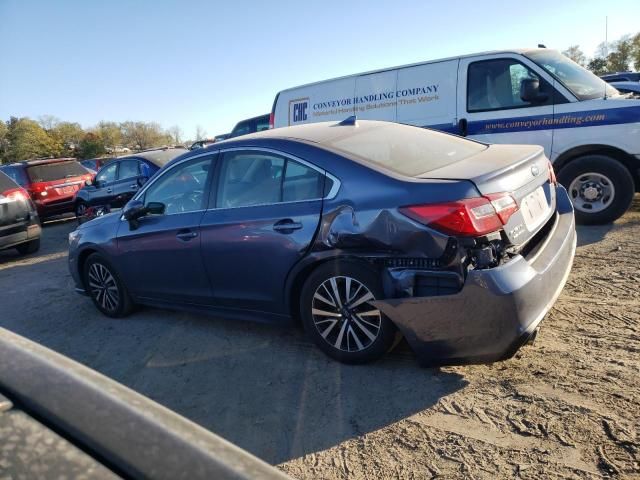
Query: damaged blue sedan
point(362, 231)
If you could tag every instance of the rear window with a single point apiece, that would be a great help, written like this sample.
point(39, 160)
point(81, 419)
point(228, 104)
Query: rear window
point(55, 171)
point(408, 151)
point(6, 183)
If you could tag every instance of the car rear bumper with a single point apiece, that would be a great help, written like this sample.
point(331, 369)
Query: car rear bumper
point(56, 207)
point(497, 310)
point(20, 234)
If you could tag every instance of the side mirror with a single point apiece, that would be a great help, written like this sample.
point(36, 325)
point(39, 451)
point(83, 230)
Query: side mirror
point(530, 91)
point(155, 208)
point(88, 183)
point(134, 210)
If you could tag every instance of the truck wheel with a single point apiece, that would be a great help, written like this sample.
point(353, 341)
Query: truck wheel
point(338, 316)
point(29, 247)
point(601, 188)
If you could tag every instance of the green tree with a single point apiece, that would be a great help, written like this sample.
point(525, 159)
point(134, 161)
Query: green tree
point(27, 139)
point(68, 135)
point(635, 51)
point(575, 54)
point(598, 66)
point(91, 146)
point(143, 135)
point(4, 141)
point(622, 54)
point(110, 133)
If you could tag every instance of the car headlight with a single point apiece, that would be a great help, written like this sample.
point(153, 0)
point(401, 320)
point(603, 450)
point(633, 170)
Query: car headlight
point(74, 237)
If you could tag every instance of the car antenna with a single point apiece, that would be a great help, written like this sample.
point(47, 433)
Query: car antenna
point(349, 121)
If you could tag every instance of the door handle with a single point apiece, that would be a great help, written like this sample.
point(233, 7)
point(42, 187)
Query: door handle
point(186, 235)
point(133, 185)
point(287, 226)
point(463, 127)
point(109, 190)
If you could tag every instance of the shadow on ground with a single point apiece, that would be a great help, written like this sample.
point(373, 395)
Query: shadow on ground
point(272, 392)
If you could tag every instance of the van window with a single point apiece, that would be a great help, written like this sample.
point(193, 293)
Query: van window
point(409, 151)
point(495, 85)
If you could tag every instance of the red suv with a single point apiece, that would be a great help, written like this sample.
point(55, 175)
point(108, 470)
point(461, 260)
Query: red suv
point(51, 183)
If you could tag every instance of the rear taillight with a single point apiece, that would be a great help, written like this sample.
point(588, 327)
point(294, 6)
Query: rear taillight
point(16, 194)
point(466, 217)
point(552, 174)
point(504, 204)
point(271, 120)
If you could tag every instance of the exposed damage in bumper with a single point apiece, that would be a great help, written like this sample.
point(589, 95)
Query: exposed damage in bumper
point(475, 302)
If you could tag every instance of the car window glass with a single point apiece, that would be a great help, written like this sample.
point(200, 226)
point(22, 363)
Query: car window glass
point(48, 172)
point(128, 169)
point(17, 174)
point(495, 85)
point(250, 178)
point(181, 189)
point(6, 183)
point(107, 174)
point(301, 183)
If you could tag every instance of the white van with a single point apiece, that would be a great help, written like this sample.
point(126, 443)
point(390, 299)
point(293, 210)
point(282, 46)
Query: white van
point(588, 129)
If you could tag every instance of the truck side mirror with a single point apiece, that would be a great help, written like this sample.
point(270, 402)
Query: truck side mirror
point(530, 91)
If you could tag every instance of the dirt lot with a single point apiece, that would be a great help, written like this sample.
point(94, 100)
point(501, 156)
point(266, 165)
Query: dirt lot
point(566, 407)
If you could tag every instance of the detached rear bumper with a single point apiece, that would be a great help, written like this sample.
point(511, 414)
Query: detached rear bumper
point(497, 309)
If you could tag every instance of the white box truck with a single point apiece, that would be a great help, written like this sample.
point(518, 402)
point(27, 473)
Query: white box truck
point(588, 129)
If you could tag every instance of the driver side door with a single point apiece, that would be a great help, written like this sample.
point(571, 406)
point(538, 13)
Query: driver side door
point(161, 258)
point(489, 105)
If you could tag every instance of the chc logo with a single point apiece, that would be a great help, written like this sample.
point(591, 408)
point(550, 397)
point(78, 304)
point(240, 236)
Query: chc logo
point(298, 110)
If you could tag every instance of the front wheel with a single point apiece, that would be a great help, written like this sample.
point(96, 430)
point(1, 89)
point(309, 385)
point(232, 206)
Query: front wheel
point(338, 315)
point(105, 288)
point(81, 209)
point(601, 188)
point(29, 247)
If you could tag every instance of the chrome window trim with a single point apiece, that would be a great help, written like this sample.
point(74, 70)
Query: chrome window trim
point(330, 196)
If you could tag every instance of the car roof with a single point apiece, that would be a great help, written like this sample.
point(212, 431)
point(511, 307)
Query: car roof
point(159, 157)
point(320, 132)
point(39, 161)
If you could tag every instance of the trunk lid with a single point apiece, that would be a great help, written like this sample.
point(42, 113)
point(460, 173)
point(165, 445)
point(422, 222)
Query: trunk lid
point(520, 170)
point(56, 181)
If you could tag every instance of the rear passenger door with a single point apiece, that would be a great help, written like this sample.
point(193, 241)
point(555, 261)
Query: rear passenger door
point(127, 183)
point(262, 217)
point(489, 105)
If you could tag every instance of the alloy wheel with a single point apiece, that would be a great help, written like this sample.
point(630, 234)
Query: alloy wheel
point(343, 315)
point(103, 287)
point(591, 192)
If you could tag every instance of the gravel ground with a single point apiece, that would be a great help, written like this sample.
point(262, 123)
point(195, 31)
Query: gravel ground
point(566, 407)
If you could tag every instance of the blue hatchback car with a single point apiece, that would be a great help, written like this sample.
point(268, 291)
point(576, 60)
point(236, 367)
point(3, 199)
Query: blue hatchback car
point(361, 230)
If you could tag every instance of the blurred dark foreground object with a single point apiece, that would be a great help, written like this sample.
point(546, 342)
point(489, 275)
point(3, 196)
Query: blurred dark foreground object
point(61, 419)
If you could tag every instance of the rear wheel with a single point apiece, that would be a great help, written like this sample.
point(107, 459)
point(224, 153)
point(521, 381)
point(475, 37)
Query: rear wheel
point(29, 247)
point(337, 313)
point(105, 288)
point(601, 188)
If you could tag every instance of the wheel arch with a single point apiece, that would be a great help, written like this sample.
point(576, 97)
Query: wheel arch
point(301, 272)
point(82, 259)
point(627, 160)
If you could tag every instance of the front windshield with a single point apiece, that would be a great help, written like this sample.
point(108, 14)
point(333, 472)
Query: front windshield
point(581, 82)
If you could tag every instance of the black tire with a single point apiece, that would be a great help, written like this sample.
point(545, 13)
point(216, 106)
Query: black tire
point(29, 247)
point(610, 168)
point(114, 303)
point(351, 323)
point(80, 209)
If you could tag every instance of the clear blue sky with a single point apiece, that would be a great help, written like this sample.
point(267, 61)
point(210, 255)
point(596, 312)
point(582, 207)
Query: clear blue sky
point(208, 63)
